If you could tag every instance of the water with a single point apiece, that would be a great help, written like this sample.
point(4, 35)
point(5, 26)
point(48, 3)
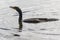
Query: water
point(31, 9)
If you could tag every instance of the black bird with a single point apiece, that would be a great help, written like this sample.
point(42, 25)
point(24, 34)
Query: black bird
point(20, 16)
point(30, 20)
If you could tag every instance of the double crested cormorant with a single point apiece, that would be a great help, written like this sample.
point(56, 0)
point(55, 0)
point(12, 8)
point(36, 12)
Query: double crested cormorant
point(30, 20)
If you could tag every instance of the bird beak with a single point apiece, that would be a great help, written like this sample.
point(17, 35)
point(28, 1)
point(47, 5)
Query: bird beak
point(12, 7)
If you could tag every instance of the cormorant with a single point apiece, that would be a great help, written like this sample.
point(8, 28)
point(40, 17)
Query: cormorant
point(20, 16)
point(30, 20)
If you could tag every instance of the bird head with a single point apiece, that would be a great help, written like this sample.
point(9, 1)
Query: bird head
point(14, 7)
point(17, 9)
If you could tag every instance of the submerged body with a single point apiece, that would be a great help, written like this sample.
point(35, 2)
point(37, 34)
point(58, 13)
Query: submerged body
point(38, 20)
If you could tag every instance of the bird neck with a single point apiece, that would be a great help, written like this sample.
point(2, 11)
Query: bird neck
point(19, 11)
point(20, 14)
